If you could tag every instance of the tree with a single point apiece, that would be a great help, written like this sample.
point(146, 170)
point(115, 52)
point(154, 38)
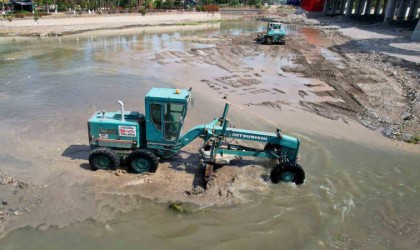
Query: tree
point(157, 4)
point(2, 2)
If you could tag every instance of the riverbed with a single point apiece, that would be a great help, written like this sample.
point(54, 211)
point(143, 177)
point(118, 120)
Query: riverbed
point(360, 189)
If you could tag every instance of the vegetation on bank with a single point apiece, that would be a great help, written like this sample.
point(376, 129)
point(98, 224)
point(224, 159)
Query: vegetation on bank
point(46, 7)
point(43, 7)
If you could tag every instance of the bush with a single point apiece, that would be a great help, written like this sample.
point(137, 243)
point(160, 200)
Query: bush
point(63, 6)
point(157, 4)
point(142, 10)
point(417, 138)
point(211, 7)
point(167, 5)
point(36, 17)
point(234, 2)
point(40, 14)
point(19, 15)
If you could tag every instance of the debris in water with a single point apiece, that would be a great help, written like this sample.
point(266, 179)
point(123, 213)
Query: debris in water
point(187, 208)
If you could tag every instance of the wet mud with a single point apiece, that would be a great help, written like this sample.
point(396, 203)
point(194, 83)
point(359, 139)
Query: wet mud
point(18, 197)
point(380, 92)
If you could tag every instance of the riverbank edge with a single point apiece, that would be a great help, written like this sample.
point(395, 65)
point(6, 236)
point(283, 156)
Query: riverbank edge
point(61, 26)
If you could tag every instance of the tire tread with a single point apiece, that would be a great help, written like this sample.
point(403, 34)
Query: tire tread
point(115, 159)
point(287, 166)
point(144, 153)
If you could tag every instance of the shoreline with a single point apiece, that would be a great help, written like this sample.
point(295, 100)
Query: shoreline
point(59, 26)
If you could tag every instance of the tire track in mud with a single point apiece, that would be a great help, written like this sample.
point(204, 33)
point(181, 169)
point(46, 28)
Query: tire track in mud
point(377, 90)
point(343, 85)
point(349, 85)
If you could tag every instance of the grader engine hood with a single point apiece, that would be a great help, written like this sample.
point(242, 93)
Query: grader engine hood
point(110, 129)
point(276, 33)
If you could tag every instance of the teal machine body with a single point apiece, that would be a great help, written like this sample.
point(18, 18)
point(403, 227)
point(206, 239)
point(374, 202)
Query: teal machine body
point(141, 138)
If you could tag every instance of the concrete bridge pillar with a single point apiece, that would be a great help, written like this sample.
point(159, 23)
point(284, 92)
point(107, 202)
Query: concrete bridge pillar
point(413, 9)
point(336, 6)
point(416, 33)
point(356, 7)
point(343, 6)
point(378, 7)
point(327, 7)
point(360, 6)
point(368, 7)
point(390, 10)
point(384, 7)
point(402, 10)
point(349, 8)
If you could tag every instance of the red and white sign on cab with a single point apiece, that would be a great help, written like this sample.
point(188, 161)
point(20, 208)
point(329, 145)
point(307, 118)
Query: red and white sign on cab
point(129, 131)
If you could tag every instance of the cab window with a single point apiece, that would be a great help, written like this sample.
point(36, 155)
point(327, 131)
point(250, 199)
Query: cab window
point(156, 115)
point(173, 116)
point(276, 26)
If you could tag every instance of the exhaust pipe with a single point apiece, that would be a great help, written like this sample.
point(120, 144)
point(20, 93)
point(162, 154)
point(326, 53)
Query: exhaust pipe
point(122, 110)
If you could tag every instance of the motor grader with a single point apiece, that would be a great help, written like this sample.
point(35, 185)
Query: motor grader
point(275, 33)
point(140, 139)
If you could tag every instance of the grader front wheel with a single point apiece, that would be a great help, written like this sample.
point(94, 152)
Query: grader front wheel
point(287, 172)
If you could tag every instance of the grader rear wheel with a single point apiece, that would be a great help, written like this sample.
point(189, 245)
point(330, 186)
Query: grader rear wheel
point(142, 161)
point(287, 172)
point(104, 158)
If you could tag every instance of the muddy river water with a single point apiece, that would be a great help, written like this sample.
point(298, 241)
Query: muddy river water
point(356, 195)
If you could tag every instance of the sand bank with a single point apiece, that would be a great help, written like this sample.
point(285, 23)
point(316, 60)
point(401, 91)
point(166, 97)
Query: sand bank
point(57, 26)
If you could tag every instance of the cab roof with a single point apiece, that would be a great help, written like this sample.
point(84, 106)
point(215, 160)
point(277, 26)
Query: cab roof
point(166, 94)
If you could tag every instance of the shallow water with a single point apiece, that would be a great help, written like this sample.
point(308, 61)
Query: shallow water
point(355, 196)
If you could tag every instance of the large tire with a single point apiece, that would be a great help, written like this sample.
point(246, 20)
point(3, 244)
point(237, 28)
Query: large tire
point(142, 161)
point(287, 172)
point(268, 40)
point(104, 158)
